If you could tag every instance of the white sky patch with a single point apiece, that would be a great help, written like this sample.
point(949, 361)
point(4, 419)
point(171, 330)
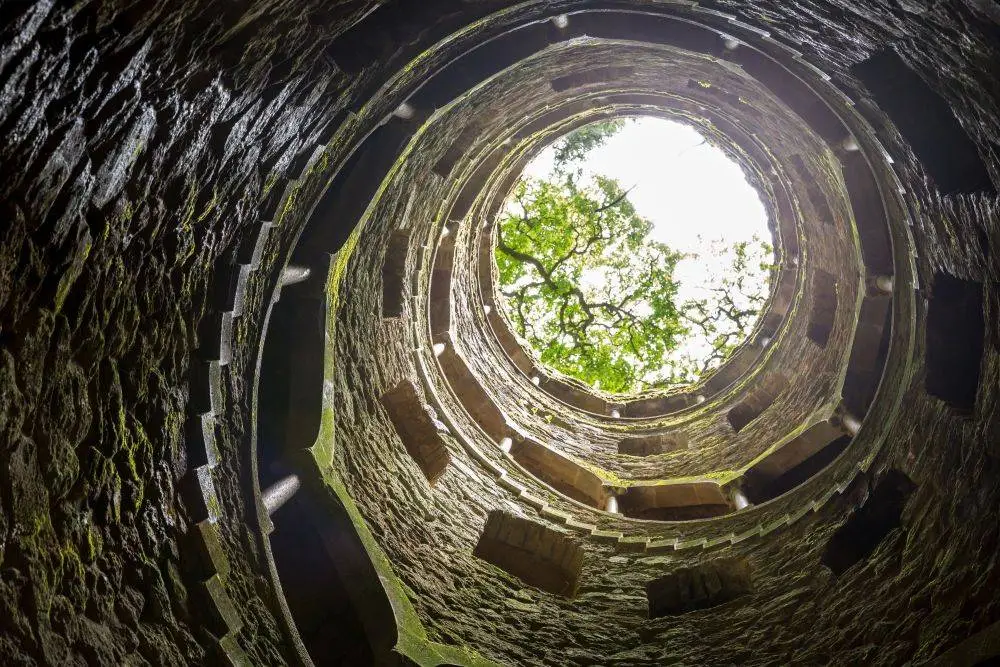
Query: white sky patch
point(693, 193)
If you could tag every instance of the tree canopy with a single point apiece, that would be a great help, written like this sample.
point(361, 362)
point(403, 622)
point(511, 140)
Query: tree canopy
point(594, 296)
point(727, 313)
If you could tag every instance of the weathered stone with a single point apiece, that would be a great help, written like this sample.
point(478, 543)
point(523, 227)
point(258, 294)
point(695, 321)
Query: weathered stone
point(164, 159)
point(536, 554)
point(707, 585)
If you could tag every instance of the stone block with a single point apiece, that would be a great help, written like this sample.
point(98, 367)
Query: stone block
point(534, 553)
point(418, 429)
point(632, 544)
point(650, 445)
point(560, 472)
point(592, 76)
point(476, 400)
point(792, 453)
point(550, 512)
point(221, 614)
point(674, 501)
point(199, 435)
point(206, 387)
point(701, 587)
point(209, 557)
point(230, 653)
point(198, 489)
point(656, 405)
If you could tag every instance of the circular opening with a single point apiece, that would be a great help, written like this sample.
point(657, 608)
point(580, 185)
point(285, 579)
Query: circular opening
point(633, 254)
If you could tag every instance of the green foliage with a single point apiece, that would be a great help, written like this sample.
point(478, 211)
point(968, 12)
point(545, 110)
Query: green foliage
point(726, 315)
point(584, 285)
point(572, 148)
point(596, 298)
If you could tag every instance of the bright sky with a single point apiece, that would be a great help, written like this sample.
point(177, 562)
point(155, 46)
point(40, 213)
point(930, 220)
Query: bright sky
point(691, 191)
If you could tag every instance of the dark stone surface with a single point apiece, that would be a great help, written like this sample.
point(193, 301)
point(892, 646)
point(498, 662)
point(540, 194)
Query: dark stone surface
point(691, 589)
point(138, 141)
point(148, 146)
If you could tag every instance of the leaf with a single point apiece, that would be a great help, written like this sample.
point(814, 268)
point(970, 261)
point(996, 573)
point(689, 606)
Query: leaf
point(595, 297)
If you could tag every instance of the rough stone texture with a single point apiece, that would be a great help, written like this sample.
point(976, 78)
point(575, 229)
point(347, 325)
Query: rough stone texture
point(418, 428)
point(707, 585)
point(715, 449)
point(150, 149)
point(818, 615)
point(139, 140)
point(651, 444)
point(560, 472)
point(532, 552)
point(580, 438)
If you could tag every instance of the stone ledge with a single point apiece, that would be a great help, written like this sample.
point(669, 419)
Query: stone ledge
point(206, 546)
point(215, 336)
point(202, 448)
point(205, 388)
point(560, 472)
point(251, 249)
point(277, 198)
point(221, 614)
point(230, 653)
point(199, 494)
point(676, 501)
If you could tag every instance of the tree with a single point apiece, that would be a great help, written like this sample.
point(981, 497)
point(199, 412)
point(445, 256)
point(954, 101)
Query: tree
point(595, 297)
point(575, 146)
point(722, 319)
point(583, 283)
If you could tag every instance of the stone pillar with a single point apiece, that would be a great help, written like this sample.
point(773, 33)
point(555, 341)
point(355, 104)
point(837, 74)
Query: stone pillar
point(294, 274)
point(280, 493)
point(850, 423)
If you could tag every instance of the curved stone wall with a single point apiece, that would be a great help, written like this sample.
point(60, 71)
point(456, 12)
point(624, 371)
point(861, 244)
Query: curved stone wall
point(255, 411)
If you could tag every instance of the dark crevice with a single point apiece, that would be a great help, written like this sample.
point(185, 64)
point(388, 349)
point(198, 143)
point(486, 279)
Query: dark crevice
point(955, 331)
point(824, 307)
point(702, 587)
point(350, 193)
point(327, 620)
point(536, 554)
point(927, 123)
point(759, 488)
point(870, 524)
point(290, 391)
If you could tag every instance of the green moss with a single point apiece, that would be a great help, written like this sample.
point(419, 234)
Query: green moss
point(187, 215)
point(212, 204)
point(93, 544)
point(70, 563)
point(412, 637)
point(412, 641)
point(133, 441)
point(72, 273)
point(612, 479)
point(289, 204)
point(269, 183)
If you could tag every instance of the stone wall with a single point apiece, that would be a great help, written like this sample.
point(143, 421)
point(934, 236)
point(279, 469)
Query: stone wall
point(140, 141)
point(163, 160)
